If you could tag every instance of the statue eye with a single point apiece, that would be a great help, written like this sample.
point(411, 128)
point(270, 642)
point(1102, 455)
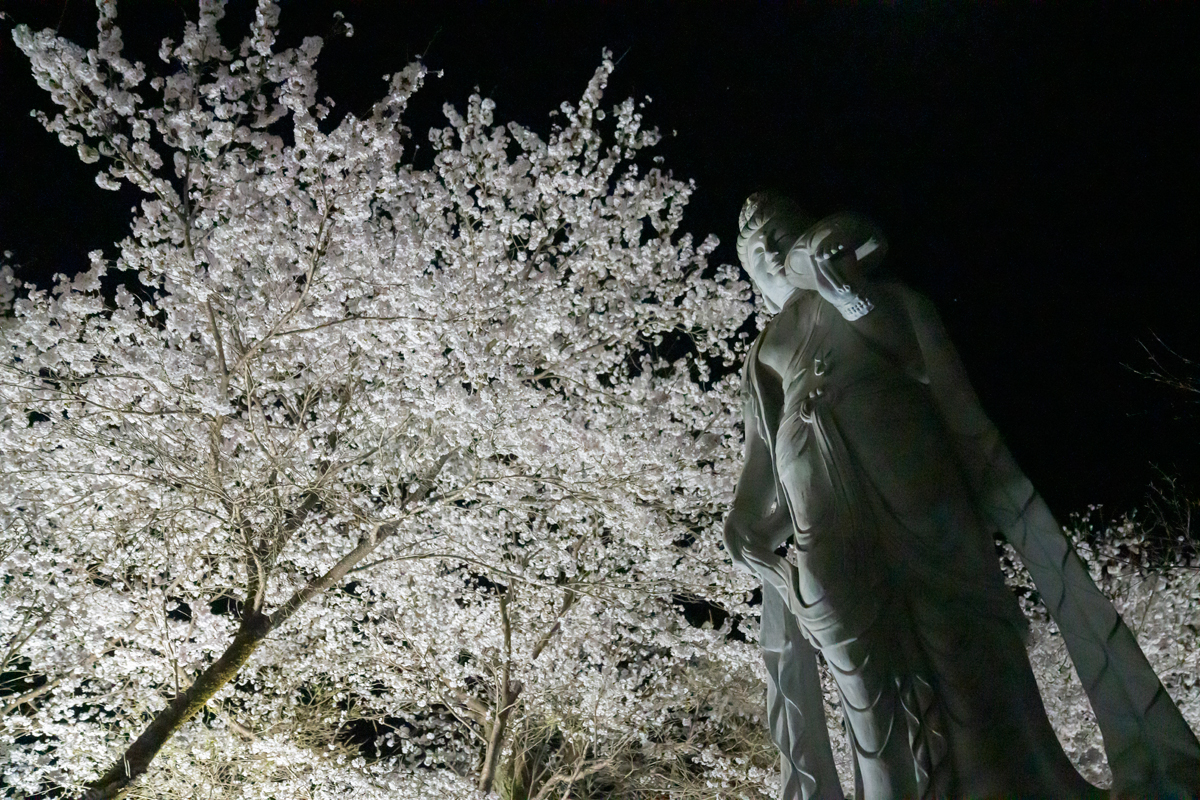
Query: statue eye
point(775, 240)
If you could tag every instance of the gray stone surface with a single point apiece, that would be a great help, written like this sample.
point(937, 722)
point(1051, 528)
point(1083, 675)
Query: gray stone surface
point(867, 453)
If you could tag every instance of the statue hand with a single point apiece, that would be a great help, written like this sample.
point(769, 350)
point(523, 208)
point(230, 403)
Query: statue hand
point(836, 274)
point(746, 537)
point(839, 279)
point(772, 530)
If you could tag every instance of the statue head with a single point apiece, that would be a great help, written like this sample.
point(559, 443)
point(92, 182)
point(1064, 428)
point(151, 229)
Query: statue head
point(777, 242)
point(768, 226)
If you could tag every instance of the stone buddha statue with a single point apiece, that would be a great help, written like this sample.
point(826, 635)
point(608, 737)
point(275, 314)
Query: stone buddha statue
point(868, 455)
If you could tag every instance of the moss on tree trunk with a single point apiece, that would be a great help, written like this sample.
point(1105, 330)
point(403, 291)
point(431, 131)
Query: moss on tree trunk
point(137, 757)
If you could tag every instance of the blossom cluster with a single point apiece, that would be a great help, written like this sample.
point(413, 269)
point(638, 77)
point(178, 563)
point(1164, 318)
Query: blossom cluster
point(455, 431)
point(463, 434)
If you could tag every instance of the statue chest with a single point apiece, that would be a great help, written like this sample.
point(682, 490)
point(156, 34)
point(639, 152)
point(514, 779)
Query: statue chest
point(809, 346)
point(802, 325)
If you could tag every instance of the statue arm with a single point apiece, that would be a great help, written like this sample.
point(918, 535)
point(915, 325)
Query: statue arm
point(1002, 490)
point(758, 523)
point(1151, 750)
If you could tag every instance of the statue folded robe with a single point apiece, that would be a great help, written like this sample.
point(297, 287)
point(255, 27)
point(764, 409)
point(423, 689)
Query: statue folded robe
point(890, 485)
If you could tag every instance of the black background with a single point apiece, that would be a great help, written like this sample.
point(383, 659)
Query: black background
point(1034, 166)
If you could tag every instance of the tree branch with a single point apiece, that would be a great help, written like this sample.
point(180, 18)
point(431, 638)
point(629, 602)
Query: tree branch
point(351, 559)
point(568, 601)
point(506, 699)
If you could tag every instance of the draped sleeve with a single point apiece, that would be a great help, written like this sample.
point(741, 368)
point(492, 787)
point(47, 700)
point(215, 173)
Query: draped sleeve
point(1150, 748)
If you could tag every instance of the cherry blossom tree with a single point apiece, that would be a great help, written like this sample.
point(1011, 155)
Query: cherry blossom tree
point(333, 440)
point(341, 476)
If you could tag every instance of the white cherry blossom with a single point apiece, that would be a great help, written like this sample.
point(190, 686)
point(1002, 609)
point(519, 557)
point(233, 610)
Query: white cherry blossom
point(409, 479)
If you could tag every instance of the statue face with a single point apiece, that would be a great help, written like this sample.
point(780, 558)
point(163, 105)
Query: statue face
point(767, 251)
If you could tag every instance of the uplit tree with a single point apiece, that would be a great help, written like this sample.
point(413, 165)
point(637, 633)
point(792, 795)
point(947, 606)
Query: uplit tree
point(341, 475)
point(344, 477)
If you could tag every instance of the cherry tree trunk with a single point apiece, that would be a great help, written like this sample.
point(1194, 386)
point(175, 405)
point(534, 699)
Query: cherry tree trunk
point(136, 759)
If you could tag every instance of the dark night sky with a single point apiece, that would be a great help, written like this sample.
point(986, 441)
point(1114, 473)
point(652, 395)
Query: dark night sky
point(1034, 167)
